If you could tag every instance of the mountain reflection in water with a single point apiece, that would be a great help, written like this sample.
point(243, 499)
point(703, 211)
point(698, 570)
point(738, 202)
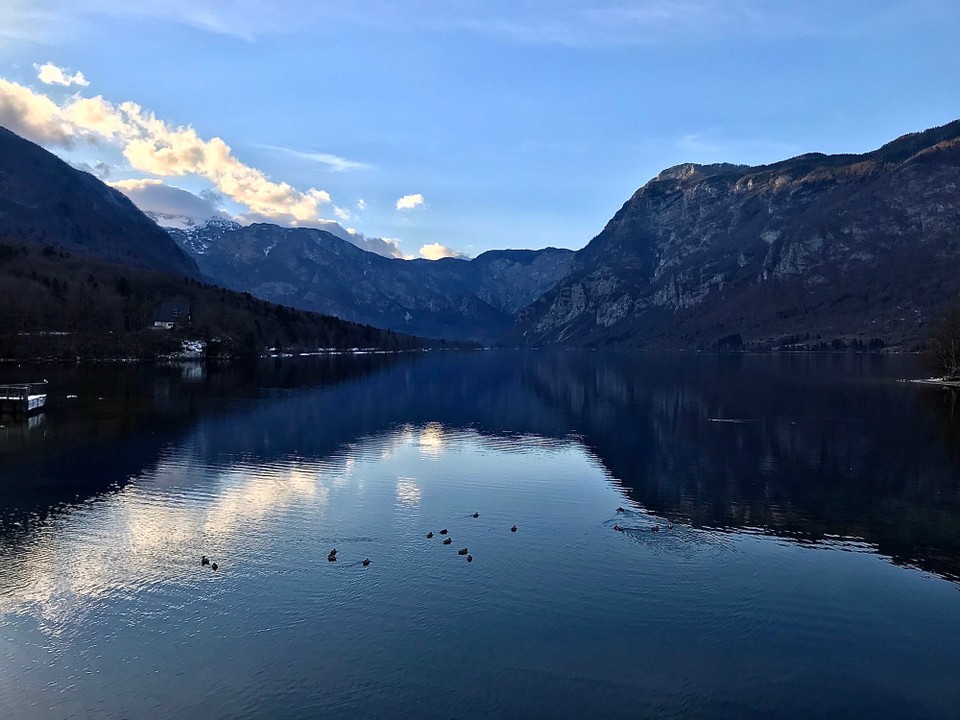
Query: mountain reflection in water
point(808, 447)
point(707, 601)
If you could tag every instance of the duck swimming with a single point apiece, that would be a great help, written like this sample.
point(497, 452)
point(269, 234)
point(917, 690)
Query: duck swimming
point(429, 535)
point(618, 528)
point(469, 558)
point(462, 551)
point(513, 529)
point(214, 566)
point(443, 532)
point(476, 514)
point(204, 561)
point(447, 541)
point(365, 562)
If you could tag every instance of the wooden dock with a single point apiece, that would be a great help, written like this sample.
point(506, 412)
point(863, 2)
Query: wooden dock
point(23, 399)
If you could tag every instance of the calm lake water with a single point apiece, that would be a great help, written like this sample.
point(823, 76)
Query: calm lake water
point(807, 561)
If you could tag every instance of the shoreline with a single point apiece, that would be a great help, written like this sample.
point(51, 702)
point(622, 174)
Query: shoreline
point(937, 382)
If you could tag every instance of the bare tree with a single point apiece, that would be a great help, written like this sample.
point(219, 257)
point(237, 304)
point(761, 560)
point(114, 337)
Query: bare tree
point(945, 344)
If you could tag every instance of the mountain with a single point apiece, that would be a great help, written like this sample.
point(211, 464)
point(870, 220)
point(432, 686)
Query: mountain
point(816, 249)
point(312, 269)
point(83, 272)
point(60, 305)
point(45, 201)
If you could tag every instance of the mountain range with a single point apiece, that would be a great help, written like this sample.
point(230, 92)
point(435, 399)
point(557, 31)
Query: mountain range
point(314, 270)
point(815, 251)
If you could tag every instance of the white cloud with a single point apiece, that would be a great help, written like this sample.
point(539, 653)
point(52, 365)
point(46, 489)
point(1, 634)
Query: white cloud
point(409, 202)
point(361, 204)
point(34, 116)
point(51, 74)
point(334, 162)
point(151, 145)
point(435, 251)
point(160, 200)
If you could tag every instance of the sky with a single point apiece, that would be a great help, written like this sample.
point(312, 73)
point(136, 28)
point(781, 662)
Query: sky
point(429, 128)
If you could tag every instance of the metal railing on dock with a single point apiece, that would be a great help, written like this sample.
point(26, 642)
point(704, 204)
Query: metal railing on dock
point(23, 398)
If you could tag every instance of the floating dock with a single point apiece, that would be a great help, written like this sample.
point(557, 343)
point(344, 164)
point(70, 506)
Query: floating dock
point(23, 399)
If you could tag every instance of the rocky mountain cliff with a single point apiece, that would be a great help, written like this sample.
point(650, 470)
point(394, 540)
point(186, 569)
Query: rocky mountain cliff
point(44, 201)
point(314, 270)
point(813, 250)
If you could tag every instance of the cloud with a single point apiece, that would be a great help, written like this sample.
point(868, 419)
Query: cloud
point(151, 145)
point(361, 204)
point(409, 202)
point(435, 251)
point(160, 200)
point(50, 74)
point(334, 162)
point(34, 116)
point(100, 169)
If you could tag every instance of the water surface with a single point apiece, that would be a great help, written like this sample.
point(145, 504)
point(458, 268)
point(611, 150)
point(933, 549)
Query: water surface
point(789, 544)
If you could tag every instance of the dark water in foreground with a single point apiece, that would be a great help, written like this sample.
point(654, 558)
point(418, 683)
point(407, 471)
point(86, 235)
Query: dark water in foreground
point(806, 563)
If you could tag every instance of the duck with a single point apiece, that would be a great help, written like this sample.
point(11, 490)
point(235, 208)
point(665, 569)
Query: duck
point(618, 528)
point(213, 566)
point(365, 562)
point(447, 541)
point(332, 557)
point(476, 514)
point(656, 528)
point(429, 535)
point(462, 551)
point(469, 558)
point(443, 532)
point(513, 529)
point(204, 561)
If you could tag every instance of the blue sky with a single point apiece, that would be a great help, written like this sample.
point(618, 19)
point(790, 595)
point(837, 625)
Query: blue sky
point(502, 124)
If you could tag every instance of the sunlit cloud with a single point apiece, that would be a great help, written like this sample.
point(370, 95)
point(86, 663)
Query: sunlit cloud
point(361, 204)
point(34, 116)
point(51, 74)
point(409, 202)
point(152, 145)
point(436, 251)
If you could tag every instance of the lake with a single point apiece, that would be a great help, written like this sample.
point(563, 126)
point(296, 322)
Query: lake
point(788, 545)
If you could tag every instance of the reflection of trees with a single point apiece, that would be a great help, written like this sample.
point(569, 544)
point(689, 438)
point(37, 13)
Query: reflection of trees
point(820, 451)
